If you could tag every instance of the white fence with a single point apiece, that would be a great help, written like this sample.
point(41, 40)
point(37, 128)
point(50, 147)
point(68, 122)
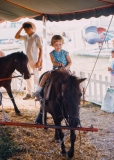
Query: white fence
point(95, 91)
point(6, 47)
point(97, 86)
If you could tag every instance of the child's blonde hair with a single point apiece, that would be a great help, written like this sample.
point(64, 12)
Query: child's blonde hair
point(56, 38)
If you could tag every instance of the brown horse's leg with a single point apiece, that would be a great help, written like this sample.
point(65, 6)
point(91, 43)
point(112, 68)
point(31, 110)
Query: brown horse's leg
point(12, 99)
point(56, 136)
point(60, 135)
point(72, 138)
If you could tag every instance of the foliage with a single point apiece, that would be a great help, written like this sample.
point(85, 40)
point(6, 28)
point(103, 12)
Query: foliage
point(7, 145)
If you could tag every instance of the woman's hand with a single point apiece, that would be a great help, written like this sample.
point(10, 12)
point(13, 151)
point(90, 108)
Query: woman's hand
point(109, 69)
point(37, 65)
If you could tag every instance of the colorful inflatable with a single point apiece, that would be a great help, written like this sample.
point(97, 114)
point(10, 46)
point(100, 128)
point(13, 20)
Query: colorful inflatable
point(95, 34)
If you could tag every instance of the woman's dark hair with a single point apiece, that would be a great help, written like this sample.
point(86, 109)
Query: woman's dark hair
point(112, 50)
point(27, 25)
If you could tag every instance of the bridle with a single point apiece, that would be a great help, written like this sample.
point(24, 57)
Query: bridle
point(64, 113)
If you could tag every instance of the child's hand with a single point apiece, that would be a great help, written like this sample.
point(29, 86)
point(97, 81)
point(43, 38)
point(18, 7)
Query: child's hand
point(60, 64)
point(65, 68)
point(109, 69)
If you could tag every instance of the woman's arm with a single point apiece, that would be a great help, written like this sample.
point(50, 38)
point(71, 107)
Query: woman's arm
point(39, 58)
point(17, 36)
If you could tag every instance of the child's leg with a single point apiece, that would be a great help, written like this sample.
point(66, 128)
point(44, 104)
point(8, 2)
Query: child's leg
point(41, 84)
point(44, 79)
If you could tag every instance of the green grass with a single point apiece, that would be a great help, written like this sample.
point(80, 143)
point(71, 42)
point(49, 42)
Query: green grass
point(7, 145)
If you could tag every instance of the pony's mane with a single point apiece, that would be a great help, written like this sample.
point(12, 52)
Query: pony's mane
point(19, 55)
point(63, 77)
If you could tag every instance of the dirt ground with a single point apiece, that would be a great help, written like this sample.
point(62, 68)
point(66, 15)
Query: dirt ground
point(38, 144)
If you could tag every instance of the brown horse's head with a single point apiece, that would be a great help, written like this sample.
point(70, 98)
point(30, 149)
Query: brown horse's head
point(21, 62)
point(66, 88)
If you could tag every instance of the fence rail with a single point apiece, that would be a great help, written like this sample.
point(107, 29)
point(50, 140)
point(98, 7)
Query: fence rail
point(96, 88)
point(95, 91)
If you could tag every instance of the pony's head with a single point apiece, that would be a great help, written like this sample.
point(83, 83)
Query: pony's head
point(21, 62)
point(67, 88)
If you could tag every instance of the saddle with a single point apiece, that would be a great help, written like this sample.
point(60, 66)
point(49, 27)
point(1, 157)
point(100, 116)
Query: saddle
point(47, 90)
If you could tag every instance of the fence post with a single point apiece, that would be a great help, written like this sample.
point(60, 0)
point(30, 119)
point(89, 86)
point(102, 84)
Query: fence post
point(100, 83)
point(95, 87)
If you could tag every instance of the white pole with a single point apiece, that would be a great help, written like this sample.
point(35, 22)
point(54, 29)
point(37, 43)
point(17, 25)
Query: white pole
point(44, 44)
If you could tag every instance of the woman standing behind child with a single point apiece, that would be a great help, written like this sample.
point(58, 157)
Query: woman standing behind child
point(59, 58)
point(111, 68)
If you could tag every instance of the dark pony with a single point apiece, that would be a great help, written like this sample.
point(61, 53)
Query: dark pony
point(63, 103)
point(15, 61)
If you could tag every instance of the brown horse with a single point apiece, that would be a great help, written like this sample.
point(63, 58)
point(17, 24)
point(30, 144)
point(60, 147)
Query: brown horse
point(63, 103)
point(15, 61)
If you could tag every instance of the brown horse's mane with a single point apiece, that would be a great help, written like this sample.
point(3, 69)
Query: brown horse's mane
point(63, 77)
point(20, 55)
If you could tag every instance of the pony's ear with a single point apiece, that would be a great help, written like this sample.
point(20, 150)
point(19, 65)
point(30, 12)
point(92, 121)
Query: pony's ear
point(81, 80)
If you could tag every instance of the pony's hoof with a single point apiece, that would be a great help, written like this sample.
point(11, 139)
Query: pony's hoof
point(63, 154)
point(67, 157)
point(19, 114)
point(45, 129)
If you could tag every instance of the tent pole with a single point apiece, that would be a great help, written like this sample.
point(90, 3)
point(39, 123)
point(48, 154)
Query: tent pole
point(45, 66)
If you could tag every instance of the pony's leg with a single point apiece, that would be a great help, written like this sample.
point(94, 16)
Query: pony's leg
point(72, 139)
point(12, 99)
point(61, 136)
point(56, 136)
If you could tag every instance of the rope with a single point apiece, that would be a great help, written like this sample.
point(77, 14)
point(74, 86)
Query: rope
point(98, 55)
point(17, 91)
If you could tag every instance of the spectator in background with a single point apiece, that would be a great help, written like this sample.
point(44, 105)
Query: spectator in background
point(33, 47)
point(113, 42)
point(111, 68)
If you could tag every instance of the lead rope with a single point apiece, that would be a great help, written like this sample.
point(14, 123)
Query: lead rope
point(79, 125)
point(68, 124)
point(62, 113)
point(18, 89)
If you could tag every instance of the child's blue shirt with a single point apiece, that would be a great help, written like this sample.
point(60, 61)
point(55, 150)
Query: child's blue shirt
point(60, 57)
